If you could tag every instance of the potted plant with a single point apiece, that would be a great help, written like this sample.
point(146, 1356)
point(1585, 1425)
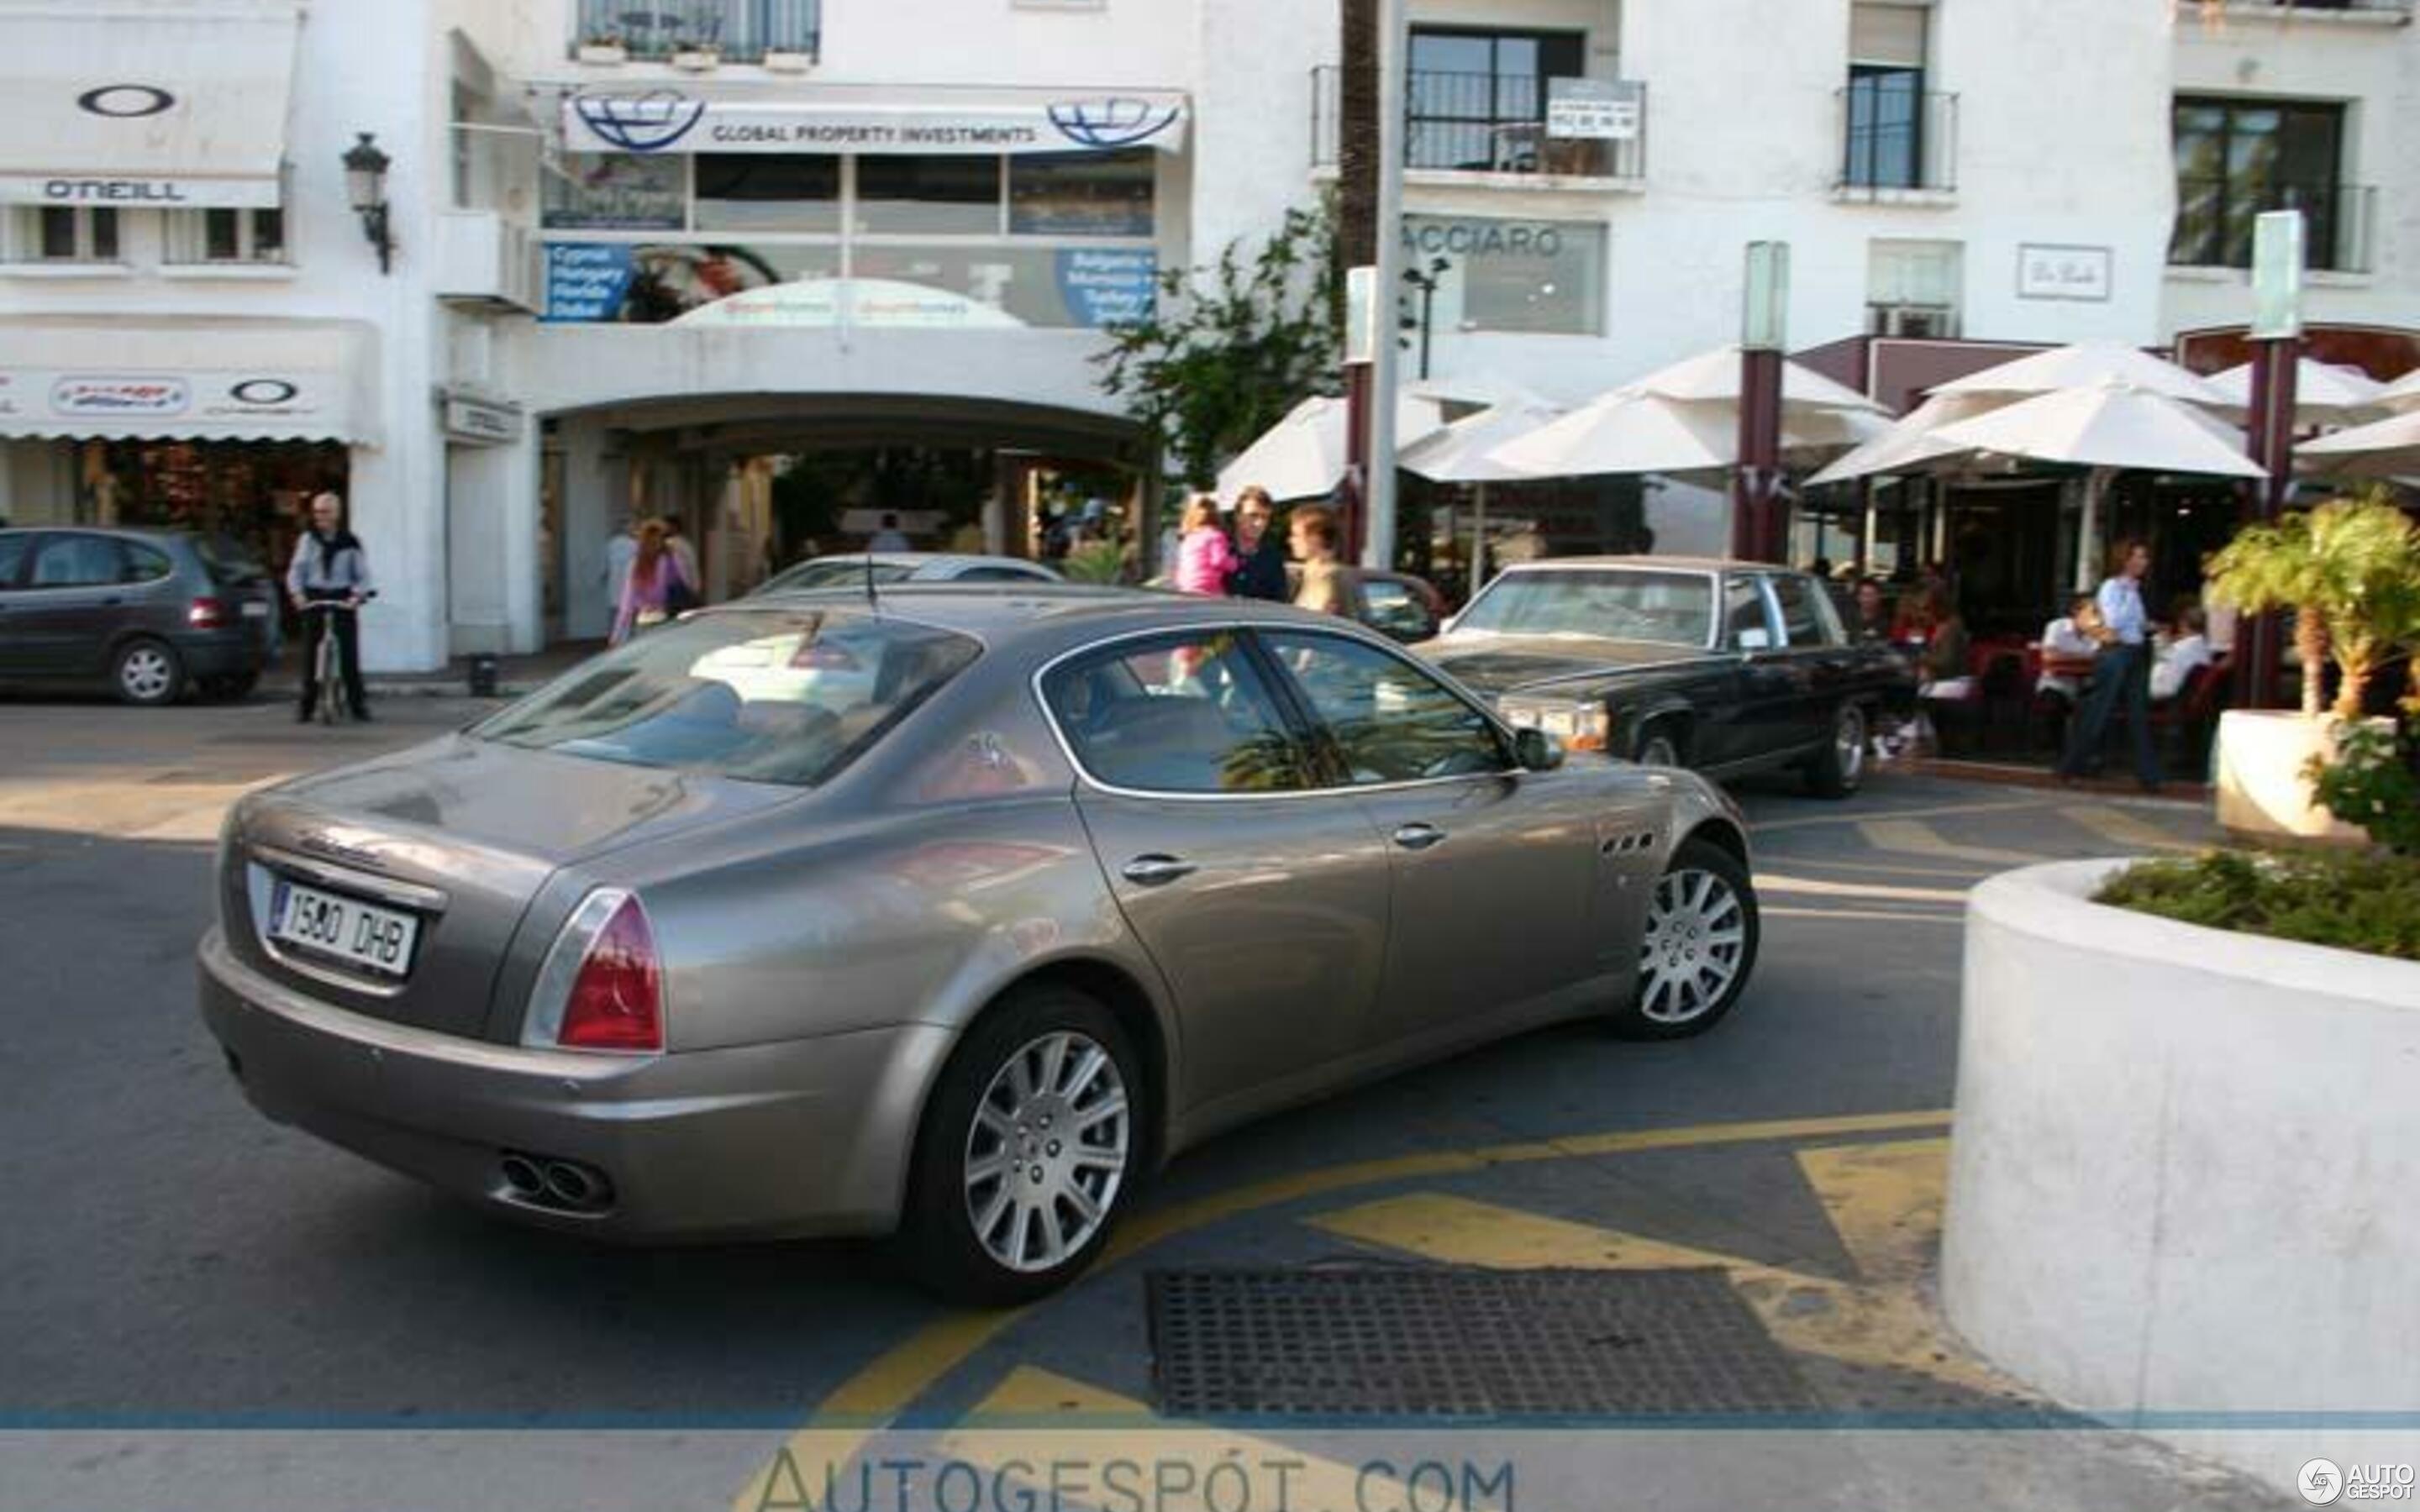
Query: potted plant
point(606, 49)
point(698, 58)
point(788, 60)
point(2349, 572)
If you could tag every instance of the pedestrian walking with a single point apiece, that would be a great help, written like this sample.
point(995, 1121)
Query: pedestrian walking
point(1329, 585)
point(649, 590)
point(2121, 674)
point(330, 567)
point(1259, 560)
point(689, 592)
point(1205, 556)
point(620, 547)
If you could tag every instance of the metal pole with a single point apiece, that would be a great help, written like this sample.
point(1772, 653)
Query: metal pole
point(1754, 526)
point(1378, 477)
point(1478, 573)
point(2276, 333)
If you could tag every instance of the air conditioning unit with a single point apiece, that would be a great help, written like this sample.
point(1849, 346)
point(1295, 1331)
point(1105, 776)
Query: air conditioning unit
point(1922, 322)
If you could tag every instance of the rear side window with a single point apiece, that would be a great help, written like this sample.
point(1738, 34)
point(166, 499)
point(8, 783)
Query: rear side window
point(764, 697)
point(12, 558)
point(143, 564)
point(1802, 611)
point(1187, 713)
point(76, 561)
point(1744, 611)
point(228, 558)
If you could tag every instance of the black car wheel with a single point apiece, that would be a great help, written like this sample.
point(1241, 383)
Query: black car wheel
point(1031, 1147)
point(1696, 948)
point(147, 673)
point(1836, 771)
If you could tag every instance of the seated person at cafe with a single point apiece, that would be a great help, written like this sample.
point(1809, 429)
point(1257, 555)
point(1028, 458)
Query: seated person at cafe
point(1930, 628)
point(1872, 619)
point(2068, 647)
point(2181, 653)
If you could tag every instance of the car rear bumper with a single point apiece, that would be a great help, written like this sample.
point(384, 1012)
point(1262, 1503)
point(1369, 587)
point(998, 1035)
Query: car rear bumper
point(228, 653)
point(800, 1137)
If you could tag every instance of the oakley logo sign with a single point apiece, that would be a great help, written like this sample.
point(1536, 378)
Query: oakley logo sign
point(123, 101)
point(1120, 122)
point(263, 391)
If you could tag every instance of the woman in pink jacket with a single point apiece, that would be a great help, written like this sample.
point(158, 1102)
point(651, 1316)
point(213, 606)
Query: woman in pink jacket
point(1204, 556)
point(647, 590)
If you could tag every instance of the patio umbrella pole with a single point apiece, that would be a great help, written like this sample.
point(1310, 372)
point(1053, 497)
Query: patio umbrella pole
point(2087, 535)
point(1478, 573)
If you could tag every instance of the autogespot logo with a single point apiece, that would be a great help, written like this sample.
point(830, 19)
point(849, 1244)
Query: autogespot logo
point(2320, 1481)
point(641, 123)
point(1116, 122)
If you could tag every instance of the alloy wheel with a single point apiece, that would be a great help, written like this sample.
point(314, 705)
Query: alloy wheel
point(1690, 953)
point(1047, 1151)
point(146, 674)
point(1659, 752)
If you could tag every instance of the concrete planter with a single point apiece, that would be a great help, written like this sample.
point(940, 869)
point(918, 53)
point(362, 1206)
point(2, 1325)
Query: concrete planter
point(779, 61)
point(2185, 1181)
point(698, 59)
point(2262, 793)
point(604, 55)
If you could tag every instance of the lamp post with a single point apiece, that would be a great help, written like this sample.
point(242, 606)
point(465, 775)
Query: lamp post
point(1427, 281)
point(2276, 334)
point(1764, 331)
point(365, 187)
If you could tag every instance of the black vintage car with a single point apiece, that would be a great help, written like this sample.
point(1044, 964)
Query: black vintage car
point(1726, 667)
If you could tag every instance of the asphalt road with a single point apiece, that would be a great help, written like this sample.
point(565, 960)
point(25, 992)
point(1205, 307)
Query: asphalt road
point(176, 1261)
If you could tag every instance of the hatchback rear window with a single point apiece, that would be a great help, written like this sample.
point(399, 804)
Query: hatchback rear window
point(762, 696)
point(228, 558)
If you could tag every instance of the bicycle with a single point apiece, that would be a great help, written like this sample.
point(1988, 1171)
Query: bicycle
point(334, 706)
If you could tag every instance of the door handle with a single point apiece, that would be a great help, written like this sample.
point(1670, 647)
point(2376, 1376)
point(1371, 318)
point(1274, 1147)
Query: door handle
point(1155, 870)
point(1417, 837)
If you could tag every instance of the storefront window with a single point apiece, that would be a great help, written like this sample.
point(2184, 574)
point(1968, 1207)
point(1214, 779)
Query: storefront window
point(769, 191)
point(929, 196)
point(1081, 194)
point(1542, 276)
point(616, 192)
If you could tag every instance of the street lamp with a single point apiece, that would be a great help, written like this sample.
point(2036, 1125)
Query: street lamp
point(365, 187)
point(1426, 281)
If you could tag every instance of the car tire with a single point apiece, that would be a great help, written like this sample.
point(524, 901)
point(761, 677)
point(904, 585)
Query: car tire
point(1837, 769)
point(1658, 746)
point(996, 1205)
point(147, 673)
point(1696, 945)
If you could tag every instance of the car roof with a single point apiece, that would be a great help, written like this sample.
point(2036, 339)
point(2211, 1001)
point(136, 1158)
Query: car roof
point(1000, 613)
point(1665, 563)
point(950, 561)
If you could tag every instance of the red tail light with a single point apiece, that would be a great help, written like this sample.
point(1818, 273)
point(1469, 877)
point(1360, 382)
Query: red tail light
point(206, 614)
point(617, 998)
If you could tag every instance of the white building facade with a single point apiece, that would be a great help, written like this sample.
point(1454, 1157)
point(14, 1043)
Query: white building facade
point(641, 245)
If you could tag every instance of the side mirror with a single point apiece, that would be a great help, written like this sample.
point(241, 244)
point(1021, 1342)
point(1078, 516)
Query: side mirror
point(1752, 639)
point(1537, 751)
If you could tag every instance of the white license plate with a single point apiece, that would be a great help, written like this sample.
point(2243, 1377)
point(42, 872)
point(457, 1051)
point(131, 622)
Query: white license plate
point(359, 933)
point(256, 609)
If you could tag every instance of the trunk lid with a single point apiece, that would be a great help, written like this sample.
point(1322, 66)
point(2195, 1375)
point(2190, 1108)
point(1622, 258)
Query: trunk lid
point(458, 836)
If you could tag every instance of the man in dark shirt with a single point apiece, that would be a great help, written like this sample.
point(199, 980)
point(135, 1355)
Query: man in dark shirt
point(1261, 570)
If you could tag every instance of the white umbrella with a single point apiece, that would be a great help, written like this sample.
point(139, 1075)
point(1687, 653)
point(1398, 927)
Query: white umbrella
point(2382, 448)
point(2403, 394)
point(1715, 375)
point(1912, 445)
point(2322, 392)
point(1628, 430)
point(2109, 426)
point(1303, 455)
point(1463, 453)
point(2085, 367)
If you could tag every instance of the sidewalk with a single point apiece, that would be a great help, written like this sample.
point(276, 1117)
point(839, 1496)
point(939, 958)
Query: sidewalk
point(515, 675)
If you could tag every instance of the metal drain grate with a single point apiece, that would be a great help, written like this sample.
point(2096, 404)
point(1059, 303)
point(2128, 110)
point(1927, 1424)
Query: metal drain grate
point(1423, 1342)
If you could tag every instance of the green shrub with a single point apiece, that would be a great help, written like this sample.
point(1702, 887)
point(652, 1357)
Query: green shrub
point(2364, 902)
point(2371, 785)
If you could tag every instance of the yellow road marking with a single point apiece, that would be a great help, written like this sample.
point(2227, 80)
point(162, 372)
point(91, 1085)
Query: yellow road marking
point(893, 1380)
point(1944, 811)
point(1157, 1451)
point(1872, 891)
point(2118, 825)
point(1885, 1326)
point(1884, 1200)
point(1859, 914)
point(1913, 837)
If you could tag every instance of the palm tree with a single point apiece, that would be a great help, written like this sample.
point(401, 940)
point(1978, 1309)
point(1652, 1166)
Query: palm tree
point(2351, 572)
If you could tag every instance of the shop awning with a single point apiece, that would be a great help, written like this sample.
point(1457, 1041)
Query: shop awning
point(845, 119)
point(128, 102)
point(160, 378)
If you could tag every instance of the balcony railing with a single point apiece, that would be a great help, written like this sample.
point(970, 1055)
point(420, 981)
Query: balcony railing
point(1493, 123)
point(1896, 140)
point(740, 31)
point(2214, 222)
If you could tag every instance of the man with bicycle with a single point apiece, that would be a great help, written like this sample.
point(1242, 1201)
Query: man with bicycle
point(330, 568)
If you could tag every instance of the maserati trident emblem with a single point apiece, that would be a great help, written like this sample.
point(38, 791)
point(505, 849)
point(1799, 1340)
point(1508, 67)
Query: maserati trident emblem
point(339, 851)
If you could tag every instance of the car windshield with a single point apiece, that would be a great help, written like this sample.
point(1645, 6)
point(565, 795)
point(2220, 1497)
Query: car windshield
point(762, 696)
point(841, 574)
point(1624, 604)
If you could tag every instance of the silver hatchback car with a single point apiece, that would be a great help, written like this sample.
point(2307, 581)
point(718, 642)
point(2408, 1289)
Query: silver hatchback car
point(952, 912)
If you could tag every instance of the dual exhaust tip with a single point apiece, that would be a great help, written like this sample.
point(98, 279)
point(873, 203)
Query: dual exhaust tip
point(565, 1185)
